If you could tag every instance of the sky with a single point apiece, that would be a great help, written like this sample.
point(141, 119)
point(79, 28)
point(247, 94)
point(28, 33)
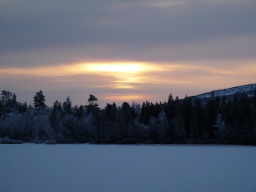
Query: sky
point(125, 50)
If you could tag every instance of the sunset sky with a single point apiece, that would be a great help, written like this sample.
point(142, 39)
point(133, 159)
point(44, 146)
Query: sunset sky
point(125, 50)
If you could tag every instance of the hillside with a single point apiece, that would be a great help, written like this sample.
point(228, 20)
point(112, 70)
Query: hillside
point(248, 89)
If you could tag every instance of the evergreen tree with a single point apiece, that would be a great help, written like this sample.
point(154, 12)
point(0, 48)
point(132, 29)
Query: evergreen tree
point(8, 101)
point(186, 113)
point(39, 100)
point(221, 131)
point(162, 127)
point(55, 116)
point(153, 129)
point(92, 106)
point(79, 111)
point(178, 130)
point(6, 97)
point(145, 113)
point(67, 106)
point(111, 111)
point(170, 107)
point(22, 107)
point(92, 100)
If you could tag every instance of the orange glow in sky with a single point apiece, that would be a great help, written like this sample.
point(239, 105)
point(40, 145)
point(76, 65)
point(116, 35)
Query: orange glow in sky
point(121, 73)
point(127, 81)
point(127, 97)
point(85, 68)
point(118, 67)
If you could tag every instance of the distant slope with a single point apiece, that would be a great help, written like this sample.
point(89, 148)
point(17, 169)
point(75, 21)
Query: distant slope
point(248, 89)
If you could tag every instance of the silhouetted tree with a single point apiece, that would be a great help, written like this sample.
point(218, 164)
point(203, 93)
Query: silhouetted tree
point(39, 100)
point(67, 106)
point(111, 110)
point(8, 102)
point(79, 111)
point(221, 131)
point(229, 119)
point(56, 116)
point(92, 106)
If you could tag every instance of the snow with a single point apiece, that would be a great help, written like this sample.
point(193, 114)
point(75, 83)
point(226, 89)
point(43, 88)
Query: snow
point(126, 168)
point(230, 91)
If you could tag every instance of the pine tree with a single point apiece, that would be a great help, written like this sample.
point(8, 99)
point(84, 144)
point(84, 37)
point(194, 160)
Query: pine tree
point(162, 126)
point(39, 100)
point(92, 106)
point(55, 116)
point(67, 106)
point(8, 101)
point(221, 131)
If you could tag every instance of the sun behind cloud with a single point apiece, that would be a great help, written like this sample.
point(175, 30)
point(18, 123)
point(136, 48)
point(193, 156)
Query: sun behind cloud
point(84, 68)
point(117, 67)
point(120, 74)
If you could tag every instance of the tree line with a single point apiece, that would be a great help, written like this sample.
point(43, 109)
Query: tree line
point(216, 120)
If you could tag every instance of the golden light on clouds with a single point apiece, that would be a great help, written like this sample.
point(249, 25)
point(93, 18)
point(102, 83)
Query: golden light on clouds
point(127, 97)
point(123, 86)
point(85, 68)
point(118, 67)
point(123, 74)
point(132, 80)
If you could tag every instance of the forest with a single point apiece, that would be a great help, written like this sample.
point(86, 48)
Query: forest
point(215, 120)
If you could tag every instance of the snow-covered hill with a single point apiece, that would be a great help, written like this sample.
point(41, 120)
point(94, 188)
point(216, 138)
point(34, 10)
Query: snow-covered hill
point(248, 89)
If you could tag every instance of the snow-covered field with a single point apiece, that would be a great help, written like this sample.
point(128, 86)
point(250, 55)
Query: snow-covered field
point(127, 168)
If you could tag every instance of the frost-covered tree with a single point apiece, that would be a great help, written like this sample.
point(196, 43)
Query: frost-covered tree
point(6, 97)
point(22, 107)
point(55, 116)
point(137, 108)
point(158, 127)
point(42, 130)
point(8, 103)
point(162, 126)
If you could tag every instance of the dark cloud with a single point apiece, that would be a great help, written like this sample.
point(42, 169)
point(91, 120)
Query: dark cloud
point(130, 29)
point(233, 48)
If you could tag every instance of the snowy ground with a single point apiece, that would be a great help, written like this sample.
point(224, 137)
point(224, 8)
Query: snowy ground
point(127, 168)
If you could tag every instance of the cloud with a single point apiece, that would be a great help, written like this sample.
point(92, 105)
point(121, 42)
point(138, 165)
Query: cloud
point(198, 46)
point(227, 48)
point(153, 83)
point(166, 4)
point(29, 25)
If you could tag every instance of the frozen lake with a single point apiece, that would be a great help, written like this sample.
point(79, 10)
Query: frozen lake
point(127, 168)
